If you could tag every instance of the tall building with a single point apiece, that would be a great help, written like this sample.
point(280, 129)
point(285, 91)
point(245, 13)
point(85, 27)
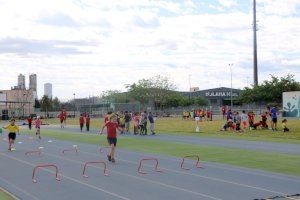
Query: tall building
point(33, 82)
point(21, 82)
point(48, 90)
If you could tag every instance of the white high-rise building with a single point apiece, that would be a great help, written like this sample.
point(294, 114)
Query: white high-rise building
point(33, 82)
point(21, 82)
point(48, 90)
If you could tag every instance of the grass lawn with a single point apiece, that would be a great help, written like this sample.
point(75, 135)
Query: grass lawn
point(177, 126)
point(4, 195)
point(275, 162)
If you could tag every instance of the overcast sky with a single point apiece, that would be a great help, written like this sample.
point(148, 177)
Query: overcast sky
point(88, 46)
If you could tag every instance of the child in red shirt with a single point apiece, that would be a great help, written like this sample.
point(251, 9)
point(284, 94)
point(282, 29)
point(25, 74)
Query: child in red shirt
point(81, 122)
point(112, 126)
point(29, 120)
point(87, 122)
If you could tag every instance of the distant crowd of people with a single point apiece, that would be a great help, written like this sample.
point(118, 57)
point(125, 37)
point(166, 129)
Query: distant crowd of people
point(202, 114)
point(240, 122)
point(140, 122)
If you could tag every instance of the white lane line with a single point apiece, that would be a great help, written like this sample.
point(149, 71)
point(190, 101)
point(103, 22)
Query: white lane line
point(19, 189)
point(139, 178)
point(236, 169)
point(71, 179)
point(205, 177)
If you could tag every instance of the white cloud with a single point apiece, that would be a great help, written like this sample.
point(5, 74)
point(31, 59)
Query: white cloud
point(90, 46)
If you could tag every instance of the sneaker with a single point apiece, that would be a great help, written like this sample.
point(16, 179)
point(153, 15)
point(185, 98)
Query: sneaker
point(113, 160)
point(109, 158)
point(13, 149)
point(9, 149)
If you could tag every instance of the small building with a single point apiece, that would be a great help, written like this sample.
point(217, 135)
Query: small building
point(216, 96)
point(17, 102)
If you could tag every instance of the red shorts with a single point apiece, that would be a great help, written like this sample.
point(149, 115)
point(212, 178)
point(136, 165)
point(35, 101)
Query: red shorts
point(244, 124)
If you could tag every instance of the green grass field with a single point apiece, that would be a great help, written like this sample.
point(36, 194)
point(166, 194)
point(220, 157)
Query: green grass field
point(275, 162)
point(5, 196)
point(177, 126)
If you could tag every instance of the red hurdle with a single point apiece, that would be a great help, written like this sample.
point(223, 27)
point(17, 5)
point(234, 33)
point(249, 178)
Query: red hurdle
point(39, 151)
point(45, 166)
point(197, 165)
point(144, 159)
point(102, 148)
point(105, 172)
point(75, 148)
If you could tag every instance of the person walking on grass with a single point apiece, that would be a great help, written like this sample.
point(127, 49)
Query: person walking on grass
point(87, 122)
point(274, 114)
point(38, 123)
point(136, 122)
point(151, 120)
point(81, 122)
point(244, 117)
point(127, 121)
point(13, 129)
point(111, 126)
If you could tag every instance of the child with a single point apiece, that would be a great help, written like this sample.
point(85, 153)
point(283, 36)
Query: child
point(229, 124)
point(112, 127)
point(29, 120)
point(274, 114)
point(244, 119)
point(12, 128)
point(106, 119)
point(121, 121)
point(62, 118)
point(38, 123)
point(127, 121)
point(81, 122)
point(284, 126)
point(136, 121)
point(251, 119)
point(238, 119)
point(151, 120)
point(87, 122)
point(264, 118)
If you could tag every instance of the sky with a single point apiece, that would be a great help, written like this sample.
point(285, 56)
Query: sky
point(89, 46)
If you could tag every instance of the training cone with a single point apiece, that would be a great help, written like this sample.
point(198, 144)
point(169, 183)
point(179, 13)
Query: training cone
point(197, 129)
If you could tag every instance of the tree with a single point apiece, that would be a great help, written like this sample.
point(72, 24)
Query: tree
point(269, 91)
point(56, 105)
point(46, 104)
point(152, 90)
point(115, 96)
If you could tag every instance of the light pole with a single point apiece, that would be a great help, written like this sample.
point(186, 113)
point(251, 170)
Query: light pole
point(74, 104)
point(190, 86)
point(255, 74)
point(231, 102)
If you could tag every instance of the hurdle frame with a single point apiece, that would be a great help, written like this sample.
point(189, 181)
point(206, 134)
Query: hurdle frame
point(75, 148)
point(45, 166)
point(105, 171)
point(147, 159)
point(33, 152)
point(104, 147)
point(197, 165)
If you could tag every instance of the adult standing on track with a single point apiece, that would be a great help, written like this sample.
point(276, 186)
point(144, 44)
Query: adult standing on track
point(87, 122)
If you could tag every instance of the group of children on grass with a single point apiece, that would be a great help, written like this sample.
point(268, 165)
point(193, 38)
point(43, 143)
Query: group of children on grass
point(237, 122)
